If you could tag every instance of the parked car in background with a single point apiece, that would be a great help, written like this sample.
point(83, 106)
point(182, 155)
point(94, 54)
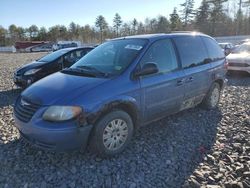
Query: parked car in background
point(65, 44)
point(226, 47)
point(41, 48)
point(121, 84)
point(239, 59)
point(48, 64)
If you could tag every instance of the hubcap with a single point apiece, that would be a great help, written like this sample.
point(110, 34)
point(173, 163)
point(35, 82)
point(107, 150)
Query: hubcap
point(115, 134)
point(215, 97)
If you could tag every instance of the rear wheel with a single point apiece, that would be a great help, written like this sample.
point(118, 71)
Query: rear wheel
point(112, 133)
point(213, 97)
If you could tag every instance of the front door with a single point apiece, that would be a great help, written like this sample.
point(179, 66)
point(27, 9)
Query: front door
point(163, 92)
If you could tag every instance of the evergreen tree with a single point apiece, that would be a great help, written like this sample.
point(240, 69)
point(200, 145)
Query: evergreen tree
point(134, 26)
point(102, 25)
point(217, 15)
point(202, 17)
point(187, 12)
point(117, 22)
point(74, 31)
point(162, 25)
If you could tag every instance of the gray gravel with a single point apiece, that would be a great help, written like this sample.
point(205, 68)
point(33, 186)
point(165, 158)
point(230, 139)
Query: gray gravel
point(194, 148)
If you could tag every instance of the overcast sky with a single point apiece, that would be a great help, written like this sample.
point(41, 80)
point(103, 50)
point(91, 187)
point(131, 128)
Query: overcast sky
point(52, 12)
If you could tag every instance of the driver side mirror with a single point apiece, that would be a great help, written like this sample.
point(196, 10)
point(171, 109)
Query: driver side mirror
point(148, 68)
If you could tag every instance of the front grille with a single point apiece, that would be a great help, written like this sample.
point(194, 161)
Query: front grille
point(24, 109)
point(238, 64)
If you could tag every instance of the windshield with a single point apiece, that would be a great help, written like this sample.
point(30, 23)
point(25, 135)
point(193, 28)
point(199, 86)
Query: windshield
point(53, 56)
point(112, 57)
point(242, 48)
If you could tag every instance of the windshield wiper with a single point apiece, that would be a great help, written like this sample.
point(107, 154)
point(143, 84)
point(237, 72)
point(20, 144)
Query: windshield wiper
point(76, 71)
point(94, 70)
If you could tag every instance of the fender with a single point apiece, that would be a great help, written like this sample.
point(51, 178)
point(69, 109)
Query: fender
point(126, 103)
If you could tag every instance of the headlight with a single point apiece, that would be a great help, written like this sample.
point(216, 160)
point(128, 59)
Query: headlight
point(31, 71)
point(61, 113)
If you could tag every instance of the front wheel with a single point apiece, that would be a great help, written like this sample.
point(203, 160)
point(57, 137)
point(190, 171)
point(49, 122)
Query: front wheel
point(112, 133)
point(213, 97)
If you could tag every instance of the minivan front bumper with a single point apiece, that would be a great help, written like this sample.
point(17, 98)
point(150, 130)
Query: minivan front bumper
point(54, 138)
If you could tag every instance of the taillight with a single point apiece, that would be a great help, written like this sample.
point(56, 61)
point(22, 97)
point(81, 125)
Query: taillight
point(226, 64)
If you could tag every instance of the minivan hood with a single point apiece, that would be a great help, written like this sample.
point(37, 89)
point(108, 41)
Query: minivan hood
point(59, 87)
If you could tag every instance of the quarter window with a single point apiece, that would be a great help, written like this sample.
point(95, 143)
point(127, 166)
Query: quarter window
point(192, 51)
point(214, 50)
point(162, 54)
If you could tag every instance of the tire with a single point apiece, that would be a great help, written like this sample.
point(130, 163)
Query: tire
point(105, 134)
point(212, 98)
point(229, 73)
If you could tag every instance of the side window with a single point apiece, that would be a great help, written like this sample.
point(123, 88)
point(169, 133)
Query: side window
point(192, 51)
point(82, 53)
point(214, 50)
point(163, 54)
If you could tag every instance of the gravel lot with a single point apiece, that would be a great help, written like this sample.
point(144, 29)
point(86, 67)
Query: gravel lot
point(194, 148)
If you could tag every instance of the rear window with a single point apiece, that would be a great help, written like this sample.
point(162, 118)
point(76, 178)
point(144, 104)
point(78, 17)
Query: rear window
point(214, 50)
point(192, 51)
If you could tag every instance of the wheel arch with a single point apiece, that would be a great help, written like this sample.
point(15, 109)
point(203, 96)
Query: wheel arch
point(124, 105)
point(220, 82)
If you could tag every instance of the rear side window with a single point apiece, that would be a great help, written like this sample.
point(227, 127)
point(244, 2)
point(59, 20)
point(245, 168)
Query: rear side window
point(192, 51)
point(214, 50)
point(163, 55)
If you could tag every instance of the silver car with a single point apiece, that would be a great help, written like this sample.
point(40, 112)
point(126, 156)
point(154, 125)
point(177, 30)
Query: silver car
point(239, 59)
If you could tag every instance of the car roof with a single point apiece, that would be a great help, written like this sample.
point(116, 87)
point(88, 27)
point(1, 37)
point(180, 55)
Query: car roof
point(75, 48)
point(162, 35)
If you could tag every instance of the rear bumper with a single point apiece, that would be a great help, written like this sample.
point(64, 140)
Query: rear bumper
point(54, 138)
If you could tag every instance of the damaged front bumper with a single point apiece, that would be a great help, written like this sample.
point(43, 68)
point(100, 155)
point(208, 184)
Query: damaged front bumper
point(54, 136)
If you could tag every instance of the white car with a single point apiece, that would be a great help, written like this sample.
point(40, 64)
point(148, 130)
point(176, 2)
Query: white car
point(239, 59)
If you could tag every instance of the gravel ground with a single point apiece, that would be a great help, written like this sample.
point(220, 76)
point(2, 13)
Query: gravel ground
point(194, 148)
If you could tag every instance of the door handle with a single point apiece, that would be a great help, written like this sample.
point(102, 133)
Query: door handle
point(190, 79)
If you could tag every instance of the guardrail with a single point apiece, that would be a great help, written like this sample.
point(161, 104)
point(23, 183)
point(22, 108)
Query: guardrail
point(232, 39)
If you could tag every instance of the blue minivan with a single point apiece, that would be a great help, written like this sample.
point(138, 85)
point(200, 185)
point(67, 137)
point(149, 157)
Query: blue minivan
point(126, 82)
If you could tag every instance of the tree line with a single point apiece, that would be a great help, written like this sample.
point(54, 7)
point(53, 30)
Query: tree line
point(212, 17)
